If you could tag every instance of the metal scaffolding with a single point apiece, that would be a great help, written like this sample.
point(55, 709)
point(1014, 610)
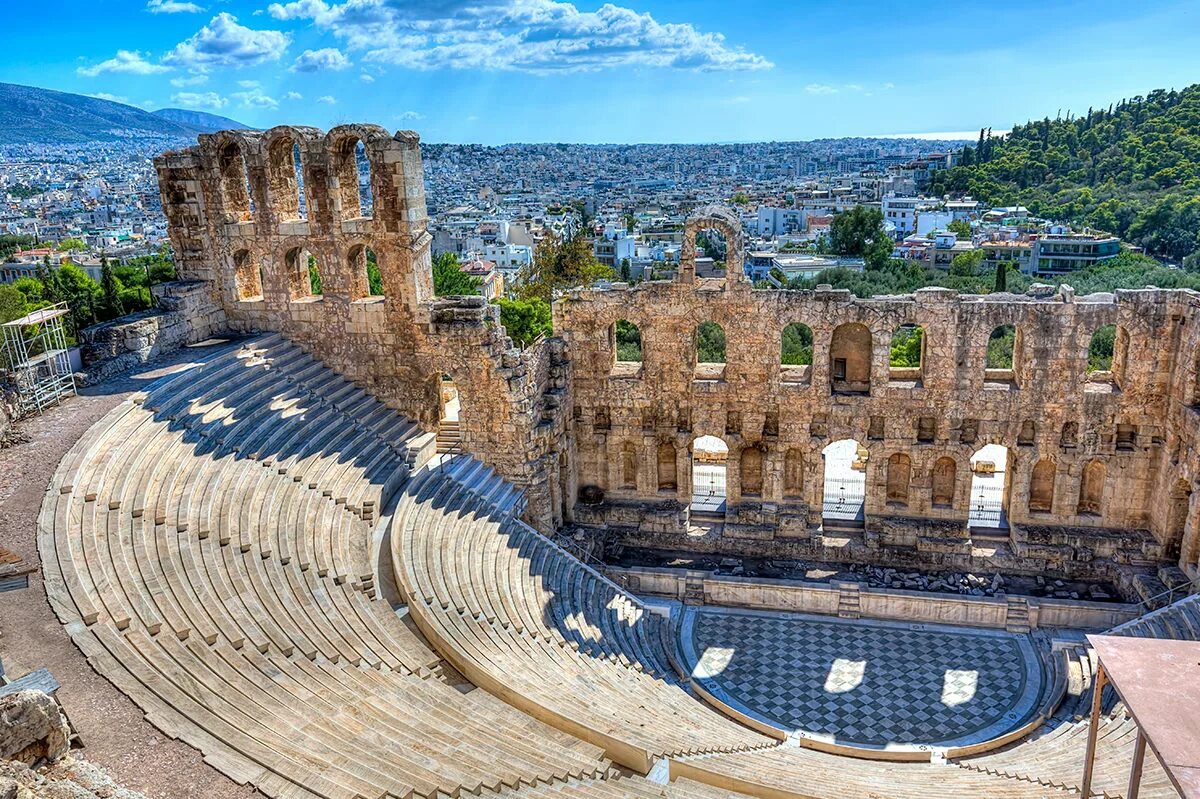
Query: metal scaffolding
point(35, 349)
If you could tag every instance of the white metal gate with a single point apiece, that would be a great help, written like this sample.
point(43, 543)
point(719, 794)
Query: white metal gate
point(708, 487)
point(987, 489)
point(844, 496)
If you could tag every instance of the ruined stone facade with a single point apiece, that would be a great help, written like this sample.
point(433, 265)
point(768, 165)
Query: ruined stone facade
point(247, 209)
point(1100, 469)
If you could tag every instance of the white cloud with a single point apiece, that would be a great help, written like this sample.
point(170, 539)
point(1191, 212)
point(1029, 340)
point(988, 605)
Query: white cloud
point(741, 99)
point(889, 85)
point(199, 100)
point(112, 98)
point(409, 116)
point(327, 58)
point(190, 80)
point(255, 98)
point(366, 78)
point(172, 7)
point(249, 84)
point(327, 99)
point(539, 36)
point(820, 88)
point(130, 62)
point(293, 96)
point(225, 43)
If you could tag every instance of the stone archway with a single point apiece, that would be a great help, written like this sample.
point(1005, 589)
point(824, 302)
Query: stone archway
point(710, 455)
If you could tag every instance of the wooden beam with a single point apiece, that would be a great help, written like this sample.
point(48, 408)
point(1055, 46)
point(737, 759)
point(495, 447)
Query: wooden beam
point(1135, 771)
point(1089, 757)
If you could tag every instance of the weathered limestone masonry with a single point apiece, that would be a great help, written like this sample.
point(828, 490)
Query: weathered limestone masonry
point(184, 315)
point(1101, 467)
point(247, 209)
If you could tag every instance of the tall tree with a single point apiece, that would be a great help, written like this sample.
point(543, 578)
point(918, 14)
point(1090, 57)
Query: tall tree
point(449, 280)
point(859, 232)
point(110, 287)
point(558, 266)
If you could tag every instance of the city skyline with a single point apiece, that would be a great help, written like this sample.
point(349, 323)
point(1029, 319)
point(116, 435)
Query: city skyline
point(497, 71)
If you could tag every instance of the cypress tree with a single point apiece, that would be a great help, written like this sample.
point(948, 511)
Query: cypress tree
point(110, 286)
point(1001, 278)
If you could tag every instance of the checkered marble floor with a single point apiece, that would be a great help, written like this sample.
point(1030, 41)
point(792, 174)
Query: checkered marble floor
point(864, 682)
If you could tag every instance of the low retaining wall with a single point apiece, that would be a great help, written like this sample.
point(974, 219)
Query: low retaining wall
point(842, 597)
point(185, 315)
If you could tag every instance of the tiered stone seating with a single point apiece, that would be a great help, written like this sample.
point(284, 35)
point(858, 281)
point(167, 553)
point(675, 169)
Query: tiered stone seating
point(1179, 620)
point(207, 544)
point(792, 771)
point(521, 617)
point(618, 786)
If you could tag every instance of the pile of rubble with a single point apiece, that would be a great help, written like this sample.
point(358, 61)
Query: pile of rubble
point(35, 762)
point(977, 584)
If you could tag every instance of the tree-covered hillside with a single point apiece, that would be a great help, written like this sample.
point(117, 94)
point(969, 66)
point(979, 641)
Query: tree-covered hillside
point(1132, 169)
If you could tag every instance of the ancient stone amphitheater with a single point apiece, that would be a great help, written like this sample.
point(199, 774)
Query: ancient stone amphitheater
point(292, 557)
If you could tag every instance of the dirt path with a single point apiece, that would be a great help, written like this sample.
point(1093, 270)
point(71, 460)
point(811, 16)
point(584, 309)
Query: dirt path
point(114, 733)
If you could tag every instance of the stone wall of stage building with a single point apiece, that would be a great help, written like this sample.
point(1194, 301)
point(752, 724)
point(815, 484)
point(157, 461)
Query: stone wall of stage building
point(1175, 510)
point(243, 223)
point(1047, 408)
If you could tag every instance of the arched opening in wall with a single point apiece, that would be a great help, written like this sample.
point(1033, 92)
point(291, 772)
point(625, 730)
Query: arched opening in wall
point(236, 197)
point(1000, 365)
point(845, 484)
point(796, 353)
point(750, 472)
point(711, 253)
point(1177, 516)
point(899, 476)
point(906, 354)
point(668, 467)
point(1091, 489)
point(629, 466)
point(449, 434)
point(352, 168)
point(247, 276)
point(710, 351)
point(793, 473)
point(989, 490)
point(944, 482)
point(850, 359)
point(1107, 355)
point(709, 457)
point(285, 173)
point(364, 268)
point(304, 275)
point(625, 341)
point(1196, 382)
point(1041, 487)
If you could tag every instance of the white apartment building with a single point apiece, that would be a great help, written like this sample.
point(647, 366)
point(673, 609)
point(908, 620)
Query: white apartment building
point(902, 213)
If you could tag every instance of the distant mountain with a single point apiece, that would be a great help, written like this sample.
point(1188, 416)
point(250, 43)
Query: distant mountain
point(29, 115)
point(199, 120)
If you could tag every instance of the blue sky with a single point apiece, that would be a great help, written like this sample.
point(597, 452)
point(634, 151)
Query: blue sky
point(494, 71)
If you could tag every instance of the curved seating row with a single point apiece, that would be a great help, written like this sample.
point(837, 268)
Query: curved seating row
point(523, 618)
point(207, 546)
point(1180, 620)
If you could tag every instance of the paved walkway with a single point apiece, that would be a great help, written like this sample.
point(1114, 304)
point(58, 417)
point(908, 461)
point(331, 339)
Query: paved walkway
point(867, 683)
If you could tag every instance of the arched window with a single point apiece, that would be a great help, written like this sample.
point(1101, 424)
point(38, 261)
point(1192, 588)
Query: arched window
point(304, 275)
point(247, 276)
point(367, 280)
point(1100, 351)
point(1091, 488)
point(899, 475)
point(628, 465)
point(796, 353)
point(666, 467)
point(752, 471)
point(627, 342)
point(906, 355)
point(1041, 487)
point(352, 169)
point(793, 473)
point(1070, 435)
point(1177, 515)
point(1001, 362)
point(945, 476)
point(1027, 434)
point(850, 359)
point(285, 173)
point(710, 351)
point(236, 198)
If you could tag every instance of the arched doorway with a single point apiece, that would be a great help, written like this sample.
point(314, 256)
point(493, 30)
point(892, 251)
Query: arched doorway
point(845, 484)
point(449, 436)
point(989, 469)
point(709, 456)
